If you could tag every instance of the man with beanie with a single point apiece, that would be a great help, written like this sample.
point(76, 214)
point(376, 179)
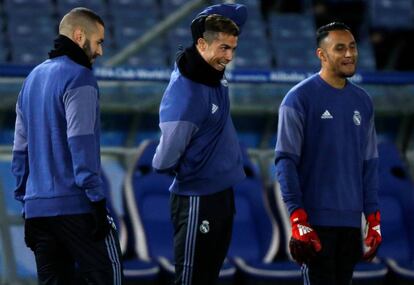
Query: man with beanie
point(199, 145)
point(56, 161)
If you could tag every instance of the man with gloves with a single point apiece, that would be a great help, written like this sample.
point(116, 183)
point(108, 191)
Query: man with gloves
point(327, 164)
point(56, 161)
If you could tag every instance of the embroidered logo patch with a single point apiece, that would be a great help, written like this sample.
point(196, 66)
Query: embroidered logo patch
point(214, 108)
point(326, 115)
point(204, 227)
point(303, 230)
point(357, 118)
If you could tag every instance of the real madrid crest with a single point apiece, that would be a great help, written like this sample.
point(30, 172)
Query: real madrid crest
point(204, 227)
point(357, 118)
point(224, 82)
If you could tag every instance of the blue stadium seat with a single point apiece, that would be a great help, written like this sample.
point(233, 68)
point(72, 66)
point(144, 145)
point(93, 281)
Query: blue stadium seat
point(169, 6)
point(148, 217)
point(113, 138)
point(391, 14)
point(40, 27)
point(272, 141)
point(293, 40)
point(299, 54)
point(132, 20)
point(131, 16)
point(26, 7)
point(179, 38)
point(98, 6)
point(147, 206)
point(249, 139)
point(289, 27)
point(115, 129)
point(152, 56)
point(143, 135)
point(3, 48)
point(364, 273)
point(23, 256)
point(7, 181)
point(129, 25)
point(128, 28)
point(6, 136)
point(135, 270)
point(256, 234)
point(366, 58)
point(37, 32)
point(253, 49)
point(36, 27)
point(33, 56)
point(113, 175)
point(397, 225)
point(132, 5)
point(253, 53)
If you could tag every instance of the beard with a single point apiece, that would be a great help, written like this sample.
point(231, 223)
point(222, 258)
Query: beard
point(346, 74)
point(340, 70)
point(88, 51)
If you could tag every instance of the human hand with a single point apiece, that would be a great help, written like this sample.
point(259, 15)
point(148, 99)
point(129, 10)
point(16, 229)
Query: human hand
point(101, 223)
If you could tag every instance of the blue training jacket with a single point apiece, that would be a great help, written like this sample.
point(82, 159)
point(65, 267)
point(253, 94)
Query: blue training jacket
point(326, 152)
point(198, 142)
point(56, 151)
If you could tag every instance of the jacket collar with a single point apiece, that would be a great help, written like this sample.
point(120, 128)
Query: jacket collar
point(65, 46)
point(194, 67)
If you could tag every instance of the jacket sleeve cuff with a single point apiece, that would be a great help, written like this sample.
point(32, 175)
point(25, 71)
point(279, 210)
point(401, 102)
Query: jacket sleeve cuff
point(95, 194)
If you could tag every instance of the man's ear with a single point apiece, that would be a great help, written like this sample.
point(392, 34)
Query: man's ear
point(79, 36)
point(320, 54)
point(202, 44)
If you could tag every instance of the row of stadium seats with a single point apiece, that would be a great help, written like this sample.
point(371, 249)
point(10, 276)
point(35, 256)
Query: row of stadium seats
point(258, 253)
point(281, 41)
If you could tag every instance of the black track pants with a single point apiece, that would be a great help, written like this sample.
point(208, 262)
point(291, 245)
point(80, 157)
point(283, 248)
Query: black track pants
point(65, 252)
point(202, 234)
point(334, 264)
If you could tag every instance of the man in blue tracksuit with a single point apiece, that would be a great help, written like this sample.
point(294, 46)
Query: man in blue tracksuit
point(56, 161)
point(199, 144)
point(326, 164)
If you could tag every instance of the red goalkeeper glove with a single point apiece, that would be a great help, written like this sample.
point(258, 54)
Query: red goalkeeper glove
point(373, 238)
point(304, 243)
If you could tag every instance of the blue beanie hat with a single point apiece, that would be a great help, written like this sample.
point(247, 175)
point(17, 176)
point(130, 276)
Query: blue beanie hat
point(235, 12)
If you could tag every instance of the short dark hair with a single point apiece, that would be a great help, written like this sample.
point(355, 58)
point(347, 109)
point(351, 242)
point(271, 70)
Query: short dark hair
point(88, 14)
point(215, 24)
point(323, 31)
point(82, 17)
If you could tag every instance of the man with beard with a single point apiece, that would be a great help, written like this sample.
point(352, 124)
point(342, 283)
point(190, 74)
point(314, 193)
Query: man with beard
point(56, 161)
point(199, 145)
point(327, 164)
